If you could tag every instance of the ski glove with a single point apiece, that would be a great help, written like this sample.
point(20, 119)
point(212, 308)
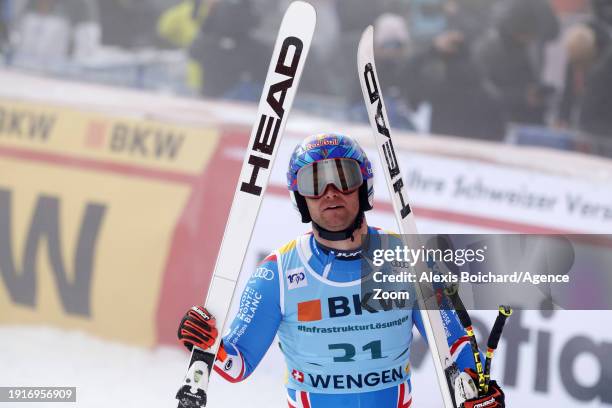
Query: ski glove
point(198, 329)
point(494, 398)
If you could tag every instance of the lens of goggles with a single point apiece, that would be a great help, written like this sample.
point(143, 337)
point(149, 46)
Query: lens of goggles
point(345, 174)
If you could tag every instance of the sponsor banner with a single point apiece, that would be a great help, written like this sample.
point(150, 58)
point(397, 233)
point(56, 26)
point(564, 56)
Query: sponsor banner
point(79, 135)
point(87, 230)
point(197, 236)
point(506, 198)
point(476, 196)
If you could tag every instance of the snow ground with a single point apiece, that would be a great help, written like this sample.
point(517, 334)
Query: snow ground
point(109, 374)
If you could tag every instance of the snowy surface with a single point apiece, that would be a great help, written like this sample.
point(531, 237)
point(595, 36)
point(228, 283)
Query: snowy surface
point(109, 374)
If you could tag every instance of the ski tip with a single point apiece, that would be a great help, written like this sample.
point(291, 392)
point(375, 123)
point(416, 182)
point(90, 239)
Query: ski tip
point(368, 35)
point(365, 51)
point(304, 10)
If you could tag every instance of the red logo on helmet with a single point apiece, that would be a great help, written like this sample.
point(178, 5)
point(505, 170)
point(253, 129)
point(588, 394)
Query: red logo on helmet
point(323, 142)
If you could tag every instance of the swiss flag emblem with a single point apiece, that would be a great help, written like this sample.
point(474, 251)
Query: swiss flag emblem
point(297, 375)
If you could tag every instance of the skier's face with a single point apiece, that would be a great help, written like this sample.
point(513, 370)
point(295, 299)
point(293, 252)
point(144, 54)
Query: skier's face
point(334, 210)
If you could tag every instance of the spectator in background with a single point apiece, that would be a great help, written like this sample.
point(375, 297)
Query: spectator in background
point(328, 29)
point(444, 75)
point(179, 25)
point(355, 15)
point(595, 115)
point(470, 17)
point(132, 24)
point(5, 19)
point(233, 62)
point(391, 42)
point(427, 18)
point(51, 31)
point(602, 11)
point(505, 57)
point(318, 77)
point(587, 95)
point(548, 29)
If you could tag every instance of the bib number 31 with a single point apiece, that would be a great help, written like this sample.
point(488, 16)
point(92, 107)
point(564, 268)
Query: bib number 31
point(349, 350)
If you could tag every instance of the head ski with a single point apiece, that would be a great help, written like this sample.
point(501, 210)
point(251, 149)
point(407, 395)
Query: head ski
point(290, 52)
point(446, 370)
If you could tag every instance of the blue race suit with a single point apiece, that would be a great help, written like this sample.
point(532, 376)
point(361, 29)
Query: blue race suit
point(342, 348)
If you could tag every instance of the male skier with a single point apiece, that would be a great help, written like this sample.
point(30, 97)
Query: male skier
point(339, 350)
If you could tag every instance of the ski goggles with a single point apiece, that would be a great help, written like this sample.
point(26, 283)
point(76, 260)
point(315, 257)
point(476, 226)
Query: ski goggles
point(344, 174)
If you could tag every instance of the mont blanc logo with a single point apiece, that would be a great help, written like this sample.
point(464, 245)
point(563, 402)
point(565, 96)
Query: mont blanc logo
point(296, 278)
point(263, 273)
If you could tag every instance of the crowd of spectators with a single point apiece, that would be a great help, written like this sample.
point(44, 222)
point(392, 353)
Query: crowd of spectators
point(456, 67)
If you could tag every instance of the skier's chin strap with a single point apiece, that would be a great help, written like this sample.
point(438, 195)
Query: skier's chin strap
point(340, 235)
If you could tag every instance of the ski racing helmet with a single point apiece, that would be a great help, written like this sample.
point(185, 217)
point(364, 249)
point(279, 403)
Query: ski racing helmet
point(324, 159)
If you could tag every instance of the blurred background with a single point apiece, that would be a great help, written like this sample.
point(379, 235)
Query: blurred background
point(123, 125)
point(523, 72)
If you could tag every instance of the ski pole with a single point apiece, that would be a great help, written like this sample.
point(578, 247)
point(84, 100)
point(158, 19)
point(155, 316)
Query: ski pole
point(453, 293)
point(496, 331)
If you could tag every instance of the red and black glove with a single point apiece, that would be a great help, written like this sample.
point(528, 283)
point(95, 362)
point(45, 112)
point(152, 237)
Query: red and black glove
point(494, 398)
point(198, 329)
